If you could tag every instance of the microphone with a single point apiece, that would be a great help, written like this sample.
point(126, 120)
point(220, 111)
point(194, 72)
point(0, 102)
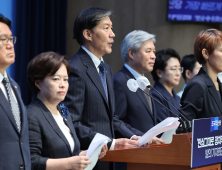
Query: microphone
point(142, 83)
point(132, 85)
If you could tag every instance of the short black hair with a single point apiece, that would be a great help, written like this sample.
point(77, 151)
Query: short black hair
point(88, 19)
point(5, 20)
point(44, 64)
point(162, 57)
point(188, 63)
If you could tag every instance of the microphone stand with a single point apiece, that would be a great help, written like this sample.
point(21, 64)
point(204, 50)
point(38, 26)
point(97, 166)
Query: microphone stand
point(185, 126)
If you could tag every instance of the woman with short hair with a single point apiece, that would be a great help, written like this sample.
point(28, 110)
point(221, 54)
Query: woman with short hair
point(52, 137)
point(202, 95)
point(166, 74)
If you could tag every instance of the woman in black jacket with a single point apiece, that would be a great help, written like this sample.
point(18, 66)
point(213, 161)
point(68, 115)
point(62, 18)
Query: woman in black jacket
point(53, 140)
point(202, 95)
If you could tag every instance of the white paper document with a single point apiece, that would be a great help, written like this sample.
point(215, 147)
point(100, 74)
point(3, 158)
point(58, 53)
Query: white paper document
point(168, 135)
point(167, 124)
point(95, 148)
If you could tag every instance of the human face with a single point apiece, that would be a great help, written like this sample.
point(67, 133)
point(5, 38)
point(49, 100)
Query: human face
point(53, 89)
point(144, 59)
point(7, 54)
point(196, 69)
point(102, 38)
point(215, 59)
point(170, 77)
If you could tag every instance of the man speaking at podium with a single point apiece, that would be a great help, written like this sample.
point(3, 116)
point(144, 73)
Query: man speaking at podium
point(90, 97)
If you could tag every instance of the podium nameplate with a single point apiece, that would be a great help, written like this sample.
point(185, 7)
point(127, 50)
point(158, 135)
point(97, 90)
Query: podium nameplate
point(206, 142)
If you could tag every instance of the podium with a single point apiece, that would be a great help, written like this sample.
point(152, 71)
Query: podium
point(173, 156)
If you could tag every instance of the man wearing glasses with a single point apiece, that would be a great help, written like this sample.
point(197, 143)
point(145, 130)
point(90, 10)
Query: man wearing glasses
point(14, 139)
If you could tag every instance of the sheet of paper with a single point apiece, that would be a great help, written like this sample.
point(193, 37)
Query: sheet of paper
point(167, 124)
point(168, 135)
point(95, 148)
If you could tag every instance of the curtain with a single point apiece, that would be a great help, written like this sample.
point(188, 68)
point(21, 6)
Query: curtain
point(40, 27)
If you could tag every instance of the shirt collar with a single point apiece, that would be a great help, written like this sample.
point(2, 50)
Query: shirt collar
point(1, 76)
point(133, 72)
point(160, 87)
point(95, 59)
point(184, 86)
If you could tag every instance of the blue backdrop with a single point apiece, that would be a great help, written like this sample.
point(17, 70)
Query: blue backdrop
point(7, 9)
point(39, 25)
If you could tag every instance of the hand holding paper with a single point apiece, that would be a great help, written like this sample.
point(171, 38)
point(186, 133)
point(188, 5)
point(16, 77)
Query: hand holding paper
point(96, 149)
point(103, 152)
point(156, 140)
point(167, 124)
point(124, 143)
point(78, 162)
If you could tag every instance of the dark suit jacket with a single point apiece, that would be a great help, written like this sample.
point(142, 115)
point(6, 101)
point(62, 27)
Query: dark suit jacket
point(200, 98)
point(163, 113)
point(87, 101)
point(14, 146)
point(132, 107)
point(46, 138)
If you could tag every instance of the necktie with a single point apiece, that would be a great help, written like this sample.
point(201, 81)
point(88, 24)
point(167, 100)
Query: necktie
point(13, 103)
point(148, 98)
point(102, 73)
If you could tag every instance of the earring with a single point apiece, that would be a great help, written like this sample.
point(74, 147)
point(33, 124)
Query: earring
point(160, 76)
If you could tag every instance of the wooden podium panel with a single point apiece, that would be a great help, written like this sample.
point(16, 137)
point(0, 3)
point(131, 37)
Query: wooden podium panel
point(173, 156)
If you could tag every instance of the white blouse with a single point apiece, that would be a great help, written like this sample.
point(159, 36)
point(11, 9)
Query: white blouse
point(64, 129)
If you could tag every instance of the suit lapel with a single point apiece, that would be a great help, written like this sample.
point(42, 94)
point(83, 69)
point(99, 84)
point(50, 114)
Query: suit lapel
point(7, 108)
point(140, 94)
point(92, 73)
point(215, 95)
point(212, 88)
point(53, 123)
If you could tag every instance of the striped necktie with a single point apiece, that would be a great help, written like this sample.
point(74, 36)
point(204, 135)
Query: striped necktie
point(102, 73)
point(13, 103)
point(148, 98)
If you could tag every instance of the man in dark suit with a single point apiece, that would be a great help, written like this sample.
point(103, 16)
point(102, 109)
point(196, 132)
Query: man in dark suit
point(90, 97)
point(14, 139)
point(135, 108)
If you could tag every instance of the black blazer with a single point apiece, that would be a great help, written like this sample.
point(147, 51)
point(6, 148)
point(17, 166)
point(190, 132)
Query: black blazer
point(200, 98)
point(14, 146)
point(46, 138)
point(87, 103)
point(132, 107)
point(163, 113)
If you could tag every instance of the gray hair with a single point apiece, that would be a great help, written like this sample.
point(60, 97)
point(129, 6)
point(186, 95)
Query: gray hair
point(133, 41)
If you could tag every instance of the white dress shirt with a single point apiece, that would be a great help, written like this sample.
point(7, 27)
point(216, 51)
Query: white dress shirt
point(97, 62)
point(132, 71)
point(3, 87)
point(95, 59)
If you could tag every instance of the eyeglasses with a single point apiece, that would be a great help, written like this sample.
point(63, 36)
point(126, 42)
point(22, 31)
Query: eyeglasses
point(175, 70)
point(11, 39)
